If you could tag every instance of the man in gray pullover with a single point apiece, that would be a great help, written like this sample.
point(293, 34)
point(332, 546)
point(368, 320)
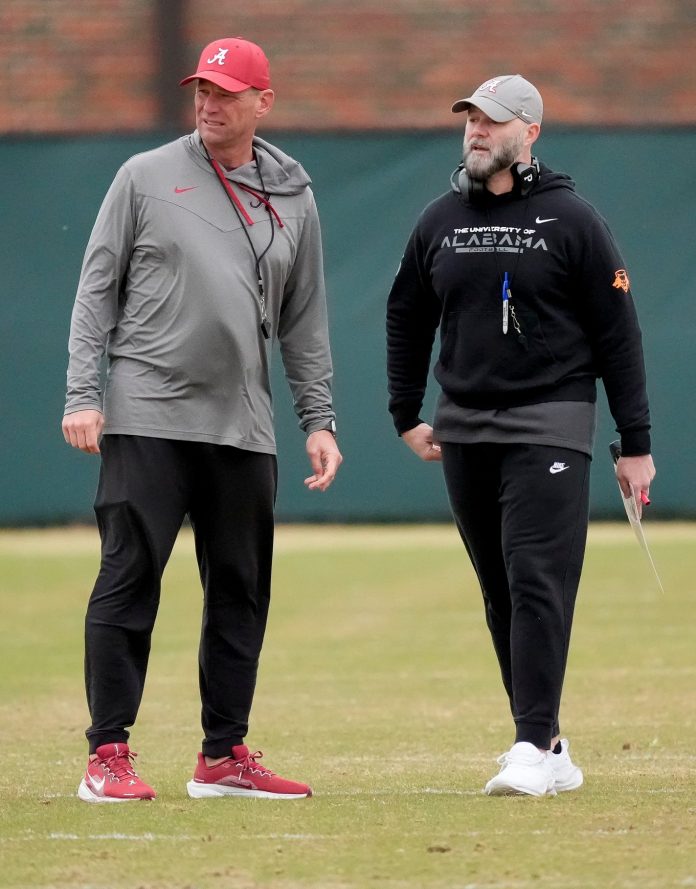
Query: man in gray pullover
point(205, 252)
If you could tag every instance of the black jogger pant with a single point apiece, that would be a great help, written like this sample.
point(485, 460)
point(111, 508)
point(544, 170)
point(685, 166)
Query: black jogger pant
point(146, 488)
point(522, 512)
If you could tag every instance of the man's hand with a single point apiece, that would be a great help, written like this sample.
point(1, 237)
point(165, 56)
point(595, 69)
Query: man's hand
point(82, 430)
point(634, 475)
point(420, 440)
point(324, 458)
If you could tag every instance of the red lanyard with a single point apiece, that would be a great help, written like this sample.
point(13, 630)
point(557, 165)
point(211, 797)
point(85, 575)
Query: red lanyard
point(227, 185)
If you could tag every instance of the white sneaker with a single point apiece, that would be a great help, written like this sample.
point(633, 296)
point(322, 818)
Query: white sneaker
point(525, 771)
point(566, 774)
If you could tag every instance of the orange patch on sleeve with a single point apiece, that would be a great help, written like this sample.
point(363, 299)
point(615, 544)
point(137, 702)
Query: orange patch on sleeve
point(621, 281)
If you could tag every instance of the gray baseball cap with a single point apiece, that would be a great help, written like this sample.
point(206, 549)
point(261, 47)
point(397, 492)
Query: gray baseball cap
point(504, 98)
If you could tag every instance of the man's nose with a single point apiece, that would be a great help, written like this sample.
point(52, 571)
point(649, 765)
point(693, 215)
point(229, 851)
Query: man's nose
point(211, 102)
point(477, 130)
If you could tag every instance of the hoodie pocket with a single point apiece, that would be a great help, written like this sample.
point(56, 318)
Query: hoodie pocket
point(477, 357)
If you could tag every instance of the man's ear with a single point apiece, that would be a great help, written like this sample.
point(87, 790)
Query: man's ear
point(264, 103)
point(532, 134)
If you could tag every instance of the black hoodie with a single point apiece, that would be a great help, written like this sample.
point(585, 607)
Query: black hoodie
point(569, 295)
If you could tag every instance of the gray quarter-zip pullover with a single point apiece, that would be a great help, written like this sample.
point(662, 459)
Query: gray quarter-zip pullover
point(169, 291)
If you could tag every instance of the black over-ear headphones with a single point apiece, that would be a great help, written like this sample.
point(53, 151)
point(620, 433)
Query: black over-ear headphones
point(525, 176)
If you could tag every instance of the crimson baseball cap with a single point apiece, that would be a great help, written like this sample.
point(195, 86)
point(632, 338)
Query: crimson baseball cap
point(234, 64)
point(504, 98)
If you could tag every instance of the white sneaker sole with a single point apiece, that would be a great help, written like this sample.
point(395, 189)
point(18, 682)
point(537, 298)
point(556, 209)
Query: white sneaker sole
point(88, 796)
point(211, 791)
point(572, 783)
point(506, 789)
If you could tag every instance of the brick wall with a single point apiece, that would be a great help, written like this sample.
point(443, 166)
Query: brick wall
point(92, 65)
point(76, 65)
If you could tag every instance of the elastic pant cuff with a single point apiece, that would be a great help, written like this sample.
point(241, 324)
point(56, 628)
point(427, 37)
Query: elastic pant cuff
point(112, 738)
point(216, 749)
point(539, 735)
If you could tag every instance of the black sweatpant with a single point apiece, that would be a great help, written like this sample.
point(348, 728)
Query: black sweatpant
point(146, 488)
point(522, 512)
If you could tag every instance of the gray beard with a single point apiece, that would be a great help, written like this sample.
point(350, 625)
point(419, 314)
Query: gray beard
point(482, 168)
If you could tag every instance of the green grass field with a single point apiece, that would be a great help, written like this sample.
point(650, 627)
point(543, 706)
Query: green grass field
point(378, 685)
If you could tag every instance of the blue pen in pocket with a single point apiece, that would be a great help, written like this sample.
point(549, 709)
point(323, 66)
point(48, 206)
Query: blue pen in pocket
point(506, 297)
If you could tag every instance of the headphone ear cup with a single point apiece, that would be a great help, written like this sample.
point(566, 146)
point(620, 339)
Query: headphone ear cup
point(470, 189)
point(526, 175)
point(463, 182)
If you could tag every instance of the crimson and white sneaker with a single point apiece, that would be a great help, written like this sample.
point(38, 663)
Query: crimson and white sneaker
point(241, 775)
point(111, 778)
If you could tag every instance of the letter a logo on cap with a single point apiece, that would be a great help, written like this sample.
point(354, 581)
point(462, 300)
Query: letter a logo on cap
point(219, 57)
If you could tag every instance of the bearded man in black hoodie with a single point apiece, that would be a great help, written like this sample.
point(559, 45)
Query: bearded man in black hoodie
point(533, 302)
